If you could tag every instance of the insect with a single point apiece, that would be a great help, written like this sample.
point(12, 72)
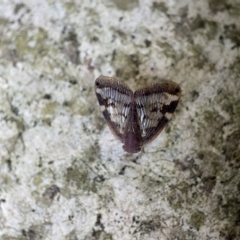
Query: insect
point(136, 118)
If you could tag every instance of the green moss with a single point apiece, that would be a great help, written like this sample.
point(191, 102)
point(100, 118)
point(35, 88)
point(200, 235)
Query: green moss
point(80, 107)
point(37, 180)
point(3, 22)
point(235, 10)
point(49, 109)
point(198, 60)
point(178, 195)
point(197, 219)
point(23, 39)
point(8, 237)
point(215, 164)
point(235, 66)
point(81, 178)
point(197, 23)
point(218, 2)
point(232, 32)
point(100, 235)
point(210, 27)
point(210, 133)
point(225, 5)
point(210, 116)
point(167, 48)
point(70, 6)
point(21, 43)
point(209, 162)
point(126, 4)
point(161, 6)
point(232, 149)
point(219, 5)
point(126, 65)
point(229, 210)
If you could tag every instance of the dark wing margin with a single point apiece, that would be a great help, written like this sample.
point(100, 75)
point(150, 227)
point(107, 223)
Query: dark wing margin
point(114, 98)
point(155, 106)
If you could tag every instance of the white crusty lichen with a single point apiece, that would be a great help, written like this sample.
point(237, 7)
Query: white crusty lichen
point(62, 173)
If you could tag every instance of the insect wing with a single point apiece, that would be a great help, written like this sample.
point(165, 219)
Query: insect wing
point(155, 106)
point(115, 99)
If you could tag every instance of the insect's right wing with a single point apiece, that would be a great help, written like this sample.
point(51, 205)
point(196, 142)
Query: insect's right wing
point(155, 106)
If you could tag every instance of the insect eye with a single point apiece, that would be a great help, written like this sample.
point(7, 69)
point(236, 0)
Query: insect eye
point(177, 90)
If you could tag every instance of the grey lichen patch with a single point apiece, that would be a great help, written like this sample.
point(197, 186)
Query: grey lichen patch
point(70, 46)
point(126, 4)
point(6, 181)
point(80, 177)
point(197, 219)
point(126, 65)
point(160, 6)
point(37, 232)
point(37, 179)
point(177, 197)
point(194, 59)
point(232, 32)
point(235, 9)
point(209, 183)
point(198, 60)
point(71, 51)
point(100, 235)
point(18, 7)
point(219, 5)
point(235, 66)
point(212, 29)
point(211, 133)
point(210, 163)
point(177, 233)
point(88, 154)
point(148, 226)
point(195, 95)
point(10, 237)
point(231, 150)
point(48, 112)
point(232, 210)
point(3, 22)
point(198, 23)
point(70, 7)
point(51, 191)
point(230, 232)
point(228, 209)
point(49, 109)
point(92, 19)
point(10, 129)
point(73, 235)
point(167, 48)
point(81, 105)
point(24, 40)
point(209, 28)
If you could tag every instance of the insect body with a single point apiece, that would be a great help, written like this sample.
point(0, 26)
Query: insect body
point(136, 118)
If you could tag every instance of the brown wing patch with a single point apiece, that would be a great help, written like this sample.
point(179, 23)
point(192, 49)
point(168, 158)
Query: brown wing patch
point(114, 98)
point(155, 106)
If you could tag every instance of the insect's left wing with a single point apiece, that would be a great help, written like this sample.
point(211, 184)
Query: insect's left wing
point(155, 106)
point(115, 99)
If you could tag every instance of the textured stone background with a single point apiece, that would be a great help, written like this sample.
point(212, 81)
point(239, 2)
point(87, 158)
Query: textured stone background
point(62, 173)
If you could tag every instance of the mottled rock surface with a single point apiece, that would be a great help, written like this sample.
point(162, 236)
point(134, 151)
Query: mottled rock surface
point(63, 175)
